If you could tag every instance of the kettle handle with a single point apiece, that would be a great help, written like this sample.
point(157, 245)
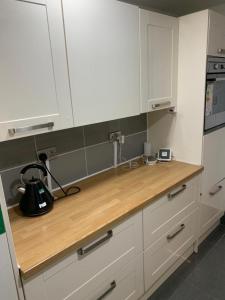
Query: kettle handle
point(33, 166)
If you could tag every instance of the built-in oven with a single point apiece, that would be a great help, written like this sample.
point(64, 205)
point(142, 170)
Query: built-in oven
point(215, 94)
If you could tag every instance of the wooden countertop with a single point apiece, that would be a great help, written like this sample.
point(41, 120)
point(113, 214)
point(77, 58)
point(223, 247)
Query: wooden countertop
point(104, 200)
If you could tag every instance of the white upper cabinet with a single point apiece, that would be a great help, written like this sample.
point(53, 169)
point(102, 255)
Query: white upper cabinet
point(102, 38)
point(34, 89)
point(159, 60)
point(216, 38)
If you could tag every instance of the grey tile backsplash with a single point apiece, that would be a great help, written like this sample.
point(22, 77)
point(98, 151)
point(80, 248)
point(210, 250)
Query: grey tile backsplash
point(81, 151)
point(99, 157)
point(64, 140)
point(69, 167)
point(17, 152)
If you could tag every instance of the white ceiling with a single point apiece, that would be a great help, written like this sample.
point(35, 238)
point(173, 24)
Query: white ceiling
point(176, 7)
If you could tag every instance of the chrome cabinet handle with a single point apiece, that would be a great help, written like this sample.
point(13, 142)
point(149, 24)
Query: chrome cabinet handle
point(177, 231)
point(83, 251)
point(216, 190)
point(157, 105)
point(111, 288)
point(221, 51)
point(173, 195)
point(13, 131)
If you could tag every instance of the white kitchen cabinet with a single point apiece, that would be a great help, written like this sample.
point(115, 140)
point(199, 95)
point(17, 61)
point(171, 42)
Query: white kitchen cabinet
point(213, 158)
point(102, 38)
point(170, 227)
point(159, 60)
point(8, 290)
point(162, 215)
point(34, 86)
point(160, 256)
point(212, 188)
point(115, 265)
point(216, 35)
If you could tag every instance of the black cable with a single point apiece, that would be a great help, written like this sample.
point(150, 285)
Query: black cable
point(53, 177)
point(43, 157)
point(66, 193)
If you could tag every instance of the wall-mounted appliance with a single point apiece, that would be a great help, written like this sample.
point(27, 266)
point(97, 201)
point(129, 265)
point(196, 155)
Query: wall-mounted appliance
point(215, 94)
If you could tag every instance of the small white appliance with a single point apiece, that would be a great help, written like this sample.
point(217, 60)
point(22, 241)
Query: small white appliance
point(165, 154)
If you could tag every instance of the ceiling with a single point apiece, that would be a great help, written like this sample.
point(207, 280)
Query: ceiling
point(176, 7)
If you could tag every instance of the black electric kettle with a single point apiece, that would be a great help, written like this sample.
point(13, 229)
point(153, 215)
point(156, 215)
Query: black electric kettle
point(36, 199)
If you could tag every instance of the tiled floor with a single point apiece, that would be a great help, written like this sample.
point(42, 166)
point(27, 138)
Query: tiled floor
point(202, 277)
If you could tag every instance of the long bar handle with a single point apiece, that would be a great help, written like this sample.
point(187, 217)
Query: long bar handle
point(221, 51)
point(158, 105)
point(13, 131)
point(110, 289)
point(83, 251)
point(173, 195)
point(216, 190)
point(177, 231)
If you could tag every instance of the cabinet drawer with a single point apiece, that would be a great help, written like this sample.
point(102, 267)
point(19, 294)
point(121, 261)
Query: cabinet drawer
point(114, 283)
point(72, 272)
point(213, 159)
point(163, 254)
point(214, 196)
point(164, 213)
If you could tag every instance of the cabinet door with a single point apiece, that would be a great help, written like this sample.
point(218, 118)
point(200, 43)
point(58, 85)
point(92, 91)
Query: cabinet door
point(216, 39)
point(212, 206)
point(212, 200)
point(102, 38)
point(159, 59)
point(7, 282)
point(213, 159)
point(34, 89)
point(169, 248)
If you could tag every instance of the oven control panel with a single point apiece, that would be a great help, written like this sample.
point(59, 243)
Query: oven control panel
point(216, 65)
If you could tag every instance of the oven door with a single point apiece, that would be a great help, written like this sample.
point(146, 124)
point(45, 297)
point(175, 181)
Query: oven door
point(215, 101)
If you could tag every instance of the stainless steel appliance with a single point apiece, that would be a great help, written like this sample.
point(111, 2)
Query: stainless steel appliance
point(215, 94)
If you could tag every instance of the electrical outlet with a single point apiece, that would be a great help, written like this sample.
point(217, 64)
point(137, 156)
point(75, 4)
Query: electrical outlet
point(50, 152)
point(115, 136)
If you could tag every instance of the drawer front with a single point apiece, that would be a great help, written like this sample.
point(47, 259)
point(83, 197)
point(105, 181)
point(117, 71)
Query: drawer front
point(214, 196)
point(208, 217)
point(114, 283)
point(163, 254)
point(161, 215)
point(68, 275)
point(213, 159)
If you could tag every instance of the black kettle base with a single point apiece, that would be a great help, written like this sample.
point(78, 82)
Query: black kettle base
point(37, 213)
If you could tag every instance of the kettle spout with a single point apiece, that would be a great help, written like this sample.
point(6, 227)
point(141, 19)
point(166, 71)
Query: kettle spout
point(21, 189)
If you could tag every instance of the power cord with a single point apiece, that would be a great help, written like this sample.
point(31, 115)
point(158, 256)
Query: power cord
point(43, 158)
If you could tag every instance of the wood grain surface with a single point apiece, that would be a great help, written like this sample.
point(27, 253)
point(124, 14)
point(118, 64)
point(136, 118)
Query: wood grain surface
point(104, 200)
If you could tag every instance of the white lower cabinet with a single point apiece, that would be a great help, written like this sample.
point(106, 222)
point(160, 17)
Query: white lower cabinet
point(160, 256)
point(212, 206)
point(170, 227)
point(212, 201)
point(8, 289)
point(126, 261)
point(113, 266)
point(115, 282)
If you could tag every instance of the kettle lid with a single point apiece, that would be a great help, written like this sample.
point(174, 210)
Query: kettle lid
point(33, 180)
